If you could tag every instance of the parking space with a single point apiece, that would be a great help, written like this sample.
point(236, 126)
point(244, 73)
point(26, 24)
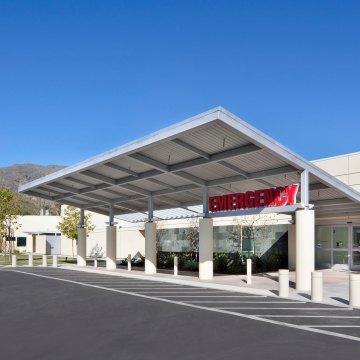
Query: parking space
point(331, 320)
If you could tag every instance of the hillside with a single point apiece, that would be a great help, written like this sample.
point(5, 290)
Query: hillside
point(18, 174)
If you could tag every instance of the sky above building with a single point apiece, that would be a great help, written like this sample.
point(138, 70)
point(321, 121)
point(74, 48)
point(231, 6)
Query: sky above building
point(80, 77)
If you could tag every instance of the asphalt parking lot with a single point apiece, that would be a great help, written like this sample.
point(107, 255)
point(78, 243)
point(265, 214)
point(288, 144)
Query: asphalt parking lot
point(49, 313)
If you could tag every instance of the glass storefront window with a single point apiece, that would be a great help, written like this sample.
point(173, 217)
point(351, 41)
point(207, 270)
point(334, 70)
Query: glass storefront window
point(356, 257)
point(340, 257)
point(323, 258)
point(356, 237)
point(340, 238)
point(323, 237)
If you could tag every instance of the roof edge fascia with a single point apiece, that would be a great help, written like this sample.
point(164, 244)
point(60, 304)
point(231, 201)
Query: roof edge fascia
point(263, 140)
point(157, 136)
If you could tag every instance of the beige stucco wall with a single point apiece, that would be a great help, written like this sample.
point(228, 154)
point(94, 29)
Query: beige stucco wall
point(130, 238)
point(344, 167)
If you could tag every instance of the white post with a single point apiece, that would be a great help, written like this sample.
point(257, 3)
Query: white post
point(13, 261)
point(150, 248)
point(305, 245)
point(316, 286)
point(44, 262)
point(129, 262)
point(95, 262)
point(31, 260)
point(81, 246)
point(248, 271)
point(206, 240)
point(175, 266)
point(284, 283)
point(292, 246)
point(55, 261)
point(111, 247)
point(354, 290)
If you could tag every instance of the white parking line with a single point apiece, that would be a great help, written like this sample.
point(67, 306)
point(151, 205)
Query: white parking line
point(216, 310)
point(332, 326)
point(311, 316)
point(273, 308)
point(213, 296)
point(245, 302)
point(187, 292)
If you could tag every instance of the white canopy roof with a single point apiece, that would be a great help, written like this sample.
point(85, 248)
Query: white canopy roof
point(214, 150)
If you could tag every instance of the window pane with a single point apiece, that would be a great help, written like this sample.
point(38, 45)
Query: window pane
point(340, 237)
point(356, 237)
point(21, 241)
point(323, 237)
point(356, 258)
point(340, 257)
point(323, 258)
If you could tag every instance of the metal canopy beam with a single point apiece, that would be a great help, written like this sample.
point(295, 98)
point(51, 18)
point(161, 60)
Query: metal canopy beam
point(122, 169)
point(192, 178)
point(234, 168)
point(192, 148)
point(242, 150)
point(255, 211)
point(161, 183)
point(332, 202)
point(99, 177)
point(252, 176)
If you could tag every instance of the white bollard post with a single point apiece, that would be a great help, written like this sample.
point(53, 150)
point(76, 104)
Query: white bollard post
point(129, 262)
point(55, 261)
point(44, 263)
point(354, 290)
point(31, 260)
point(95, 262)
point(175, 266)
point(13, 261)
point(284, 283)
point(316, 286)
point(248, 271)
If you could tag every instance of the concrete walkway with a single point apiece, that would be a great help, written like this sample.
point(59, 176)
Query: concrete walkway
point(335, 282)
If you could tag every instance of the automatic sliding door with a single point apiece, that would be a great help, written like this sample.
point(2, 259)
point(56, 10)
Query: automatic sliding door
point(355, 253)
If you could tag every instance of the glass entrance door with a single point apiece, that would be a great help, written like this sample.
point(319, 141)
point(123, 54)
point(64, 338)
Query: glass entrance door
point(355, 248)
point(332, 247)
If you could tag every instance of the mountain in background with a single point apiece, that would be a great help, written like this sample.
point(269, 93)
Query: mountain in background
point(18, 174)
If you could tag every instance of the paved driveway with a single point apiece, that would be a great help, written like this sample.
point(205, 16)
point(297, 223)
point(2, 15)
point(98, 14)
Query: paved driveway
point(63, 314)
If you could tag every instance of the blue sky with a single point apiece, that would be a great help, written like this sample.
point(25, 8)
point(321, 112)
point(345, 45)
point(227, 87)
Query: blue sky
point(80, 77)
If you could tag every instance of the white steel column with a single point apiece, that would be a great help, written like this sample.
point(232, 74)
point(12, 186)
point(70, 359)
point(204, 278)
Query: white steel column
point(206, 249)
point(81, 246)
point(111, 247)
point(305, 248)
point(150, 248)
point(292, 247)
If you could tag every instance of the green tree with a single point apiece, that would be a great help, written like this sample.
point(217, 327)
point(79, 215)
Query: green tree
point(70, 221)
point(9, 211)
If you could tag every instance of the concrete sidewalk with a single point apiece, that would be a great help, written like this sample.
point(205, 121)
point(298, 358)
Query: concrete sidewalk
point(335, 282)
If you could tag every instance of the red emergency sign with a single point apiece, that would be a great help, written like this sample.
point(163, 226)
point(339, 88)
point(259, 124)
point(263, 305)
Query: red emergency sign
point(280, 196)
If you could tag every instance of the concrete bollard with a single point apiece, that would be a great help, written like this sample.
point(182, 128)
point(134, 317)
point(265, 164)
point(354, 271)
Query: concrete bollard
point(129, 262)
point(354, 290)
point(55, 261)
point(175, 266)
point(44, 263)
point(248, 271)
point(316, 286)
point(95, 263)
point(13, 261)
point(284, 283)
point(31, 260)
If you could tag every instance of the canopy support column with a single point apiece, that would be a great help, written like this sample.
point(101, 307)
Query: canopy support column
point(81, 240)
point(305, 245)
point(206, 249)
point(111, 241)
point(150, 248)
